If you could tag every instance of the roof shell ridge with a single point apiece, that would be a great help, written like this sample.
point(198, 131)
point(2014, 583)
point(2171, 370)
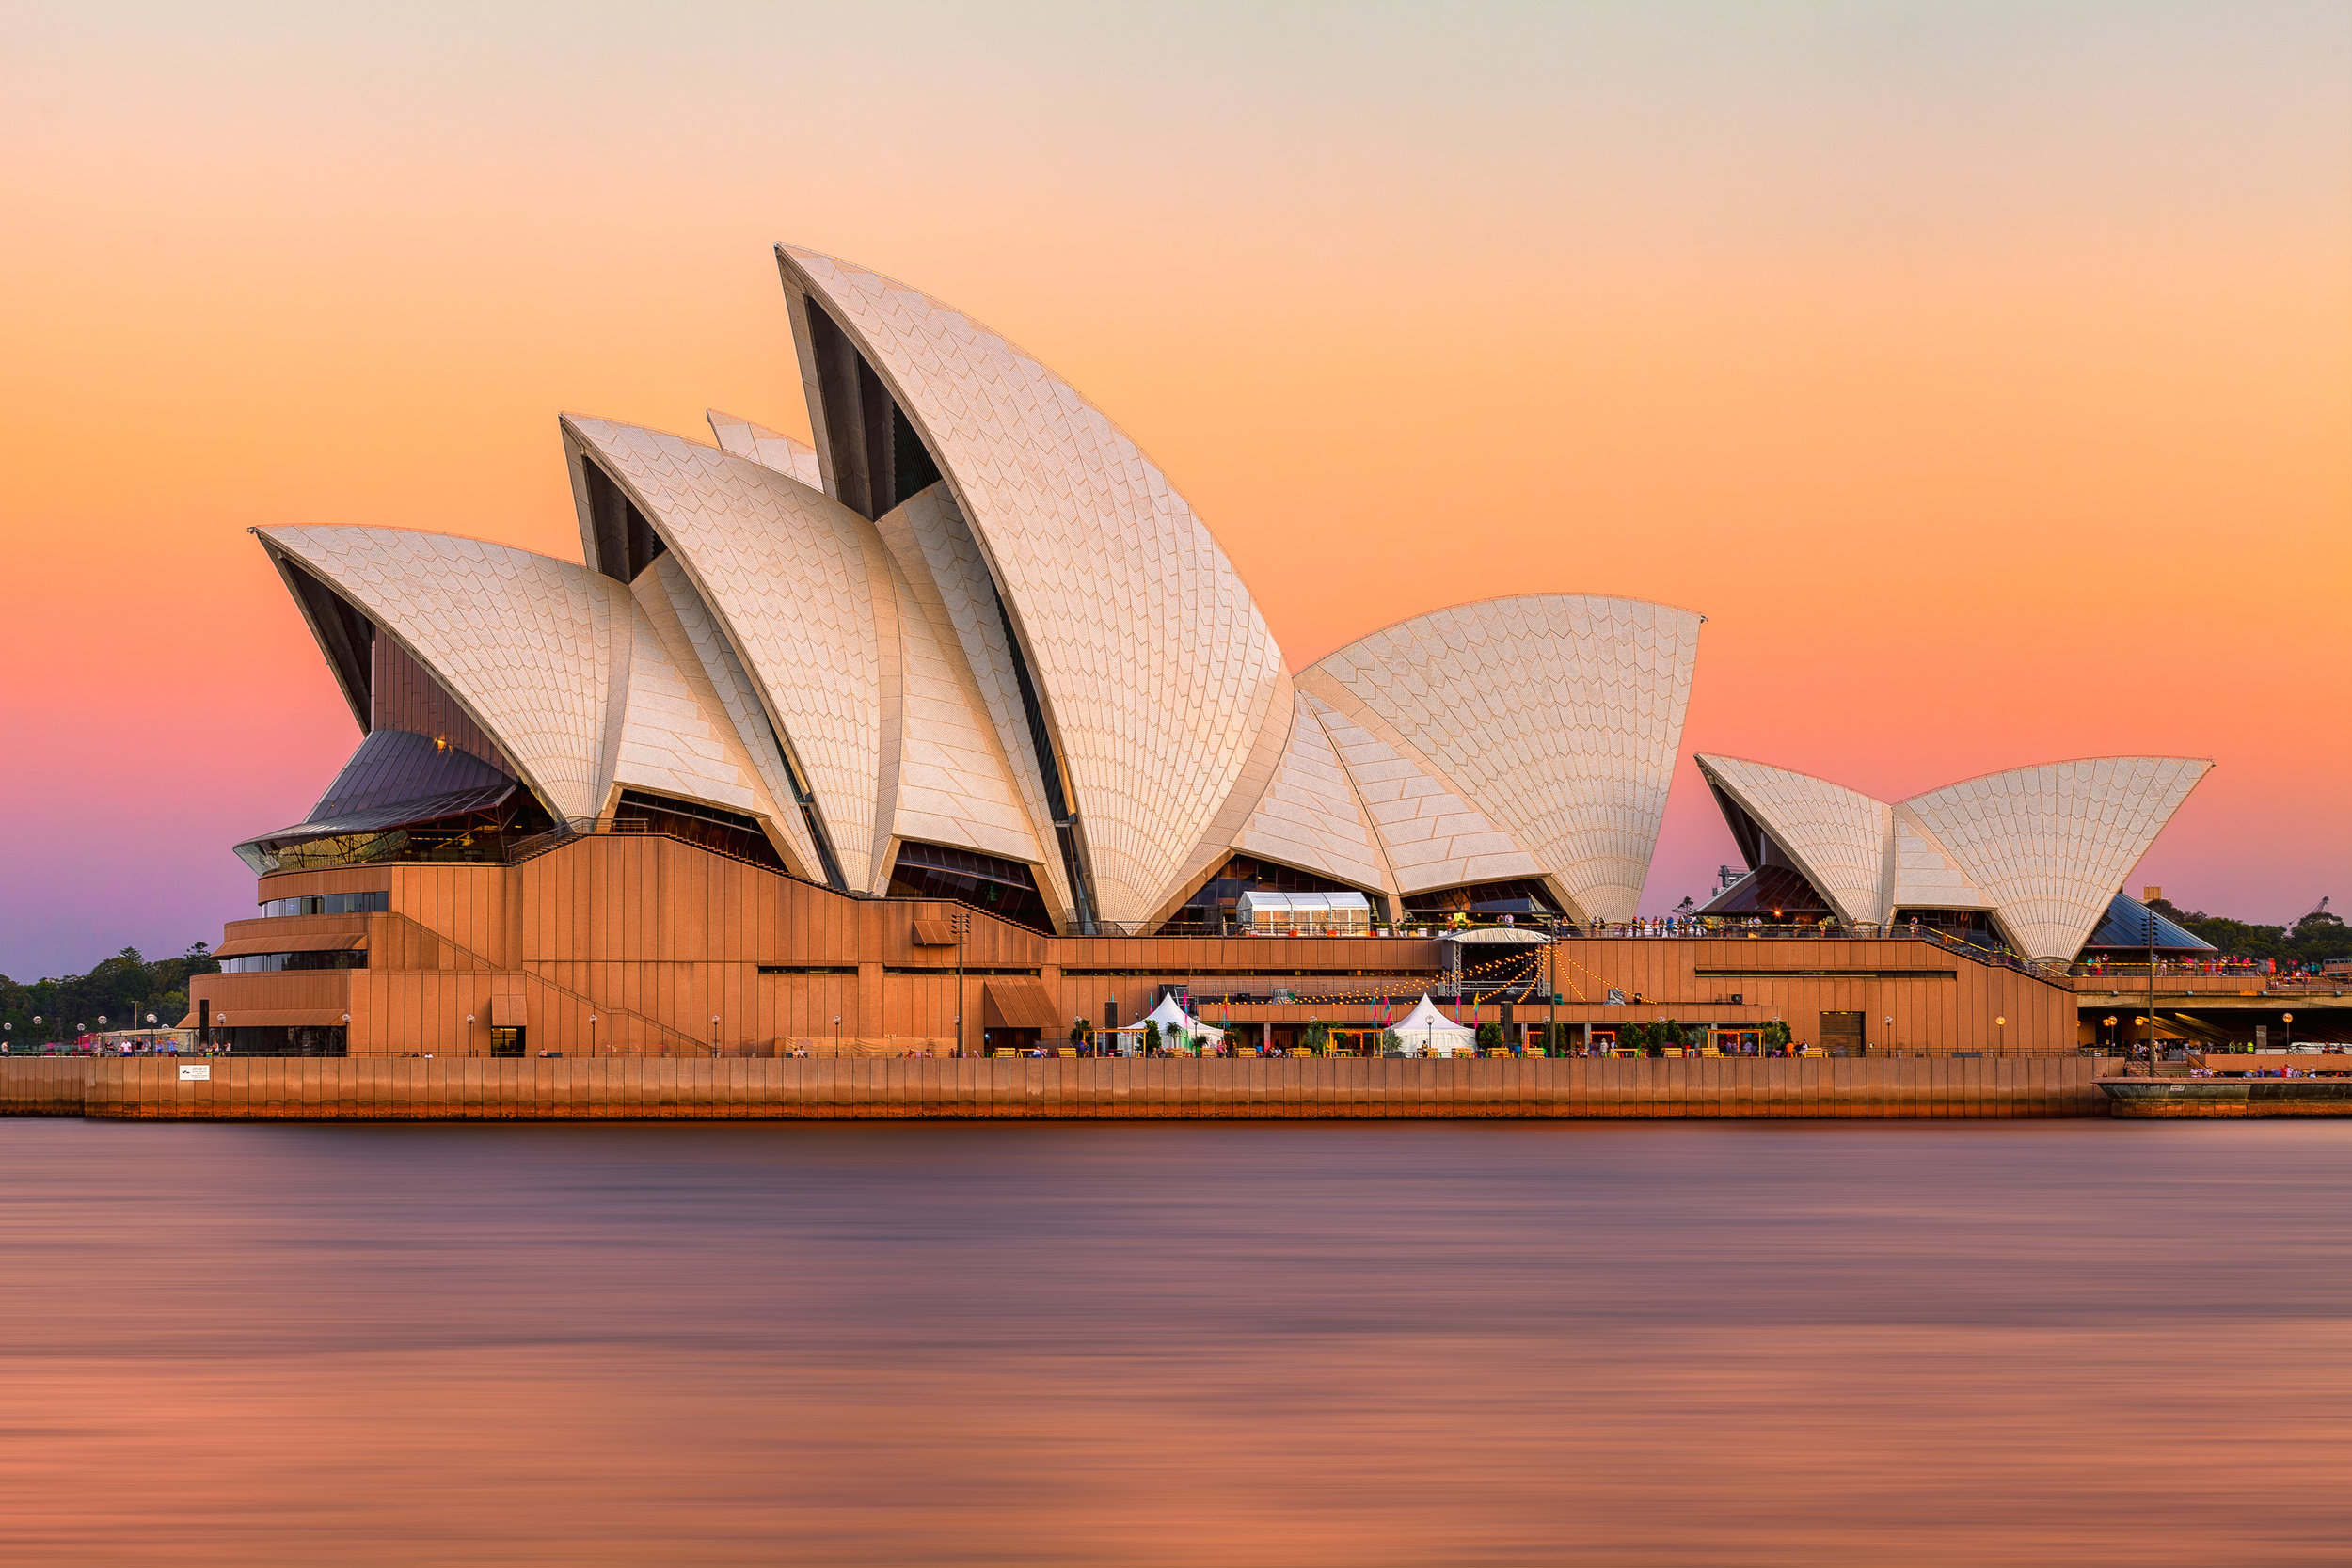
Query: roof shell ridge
point(2059, 762)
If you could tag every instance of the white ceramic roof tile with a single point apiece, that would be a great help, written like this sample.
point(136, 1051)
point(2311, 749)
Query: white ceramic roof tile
point(1429, 836)
point(2052, 844)
point(1558, 717)
point(936, 552)
point(955, 785)
point(1922, 873)
point(676, 609)
point(1309, 816)
point(2043, 849)
point(524, 642)
point(1837, 836)
point(767, 447)
point(1104, 567)
point(790, 573)
point(675, 736)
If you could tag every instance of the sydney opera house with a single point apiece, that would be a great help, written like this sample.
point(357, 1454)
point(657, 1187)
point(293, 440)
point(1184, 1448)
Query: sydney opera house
point(958, 728)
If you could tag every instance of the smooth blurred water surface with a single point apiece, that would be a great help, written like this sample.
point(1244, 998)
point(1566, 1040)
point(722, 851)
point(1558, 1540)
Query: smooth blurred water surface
point(2083, 1342)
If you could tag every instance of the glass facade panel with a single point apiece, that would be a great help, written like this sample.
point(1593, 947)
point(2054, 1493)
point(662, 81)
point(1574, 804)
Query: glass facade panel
point(712, 827)
point(375, 902)
point(1005, 889)
point(1524, 897)
point(272, 963)
point(1219, 902)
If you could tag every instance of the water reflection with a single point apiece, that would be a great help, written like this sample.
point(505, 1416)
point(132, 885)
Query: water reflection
point(1346, 1344)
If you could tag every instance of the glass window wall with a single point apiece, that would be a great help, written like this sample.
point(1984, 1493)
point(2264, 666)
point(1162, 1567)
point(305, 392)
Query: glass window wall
point(377, 902)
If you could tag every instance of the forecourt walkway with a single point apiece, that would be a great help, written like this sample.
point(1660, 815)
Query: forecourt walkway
point(479, 1089)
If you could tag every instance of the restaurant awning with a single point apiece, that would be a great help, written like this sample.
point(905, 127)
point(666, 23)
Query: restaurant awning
point(1019, 1004)
point(301, 942)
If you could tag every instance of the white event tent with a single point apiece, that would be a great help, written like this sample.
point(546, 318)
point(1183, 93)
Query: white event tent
point(1426, 1031)
point(1174, 1023)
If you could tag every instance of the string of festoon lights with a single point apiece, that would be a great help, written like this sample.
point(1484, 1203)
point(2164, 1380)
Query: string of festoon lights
point(1381, 993)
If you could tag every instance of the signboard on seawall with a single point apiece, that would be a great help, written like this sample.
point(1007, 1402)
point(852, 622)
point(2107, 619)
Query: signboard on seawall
point(196, 1073)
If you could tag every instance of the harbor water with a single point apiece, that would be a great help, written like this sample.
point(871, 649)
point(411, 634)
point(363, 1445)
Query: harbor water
point(2085, 1341)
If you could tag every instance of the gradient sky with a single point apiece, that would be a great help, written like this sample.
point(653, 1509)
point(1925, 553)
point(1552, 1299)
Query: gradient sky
point(1982, 370)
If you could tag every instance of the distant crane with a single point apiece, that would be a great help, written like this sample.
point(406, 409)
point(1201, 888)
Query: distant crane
point(2317, 910)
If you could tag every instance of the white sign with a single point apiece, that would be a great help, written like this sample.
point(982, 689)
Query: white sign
point(196, 1074)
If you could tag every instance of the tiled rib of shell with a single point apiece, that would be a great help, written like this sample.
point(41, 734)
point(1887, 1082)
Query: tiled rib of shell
point(1106, 569)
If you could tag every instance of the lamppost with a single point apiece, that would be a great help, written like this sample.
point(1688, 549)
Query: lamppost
point(2110, 1023)
point(346, 1033)
point(714, 1033)
point(1551, 985)
point(837, 1034)
point(2288, 1019)
point(220, 1020)
point(592, 1033)
point(2152, 992)
point(1889, 1022)
point(2000, 1045)
point(963, 923)
point(469, 1034)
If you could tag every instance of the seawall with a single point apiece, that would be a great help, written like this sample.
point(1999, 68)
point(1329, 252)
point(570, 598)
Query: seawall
point(477, 1088)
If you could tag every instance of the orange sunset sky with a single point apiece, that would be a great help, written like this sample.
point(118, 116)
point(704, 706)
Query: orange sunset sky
point(1982, 370)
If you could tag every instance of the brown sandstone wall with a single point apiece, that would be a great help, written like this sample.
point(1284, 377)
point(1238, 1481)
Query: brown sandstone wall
point(492, 1089)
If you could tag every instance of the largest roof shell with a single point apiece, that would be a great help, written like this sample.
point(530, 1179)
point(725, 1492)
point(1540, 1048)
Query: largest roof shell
point(1159, 678)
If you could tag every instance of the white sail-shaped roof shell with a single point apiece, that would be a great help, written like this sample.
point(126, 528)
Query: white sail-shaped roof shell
point(1159, 679)
point(2041, 850)
point(801, 585)
point(1428, 835)
point(767, 448)
point(1310, 817)
point(676, 737)
point(2051, 844)
point(952, 778)
point(523, 643)
point(1837, 836)
point(584, 686)
point(1555, 720)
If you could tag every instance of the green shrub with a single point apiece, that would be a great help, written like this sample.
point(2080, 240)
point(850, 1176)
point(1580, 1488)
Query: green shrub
point(1490, 1036)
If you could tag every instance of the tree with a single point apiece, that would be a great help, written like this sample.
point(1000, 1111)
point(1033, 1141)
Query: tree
point(1634, 1036)
point(1490, 1035)
point(1151, 1037)
point(1080, 1030)
point(1670, 1033)
point(124, 990)
point(1316, 1037)
point(1775, 1034)
point(2317, 938)
point(1391, 1043)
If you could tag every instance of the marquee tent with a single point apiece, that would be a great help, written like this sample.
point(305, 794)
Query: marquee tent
point(1172, 1019)
point(1427, 1032)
